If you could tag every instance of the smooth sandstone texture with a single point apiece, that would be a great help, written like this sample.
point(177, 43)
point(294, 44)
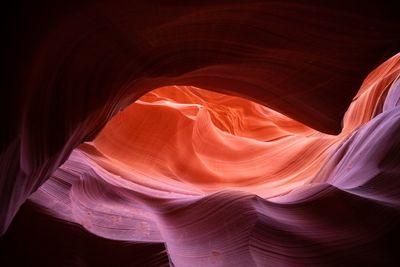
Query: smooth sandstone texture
point(208, 175)
point(224, 181)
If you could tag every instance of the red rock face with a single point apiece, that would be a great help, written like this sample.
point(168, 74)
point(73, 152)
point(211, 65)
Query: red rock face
point(224, 134)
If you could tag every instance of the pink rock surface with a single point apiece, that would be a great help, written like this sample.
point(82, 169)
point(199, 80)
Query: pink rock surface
point(204, 133)
point(223, 181)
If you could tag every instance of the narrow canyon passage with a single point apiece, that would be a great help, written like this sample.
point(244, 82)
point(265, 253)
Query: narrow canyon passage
point(200, 133)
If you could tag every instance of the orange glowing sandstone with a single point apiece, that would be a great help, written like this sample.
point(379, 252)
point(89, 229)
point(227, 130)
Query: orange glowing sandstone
point(193, 140)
